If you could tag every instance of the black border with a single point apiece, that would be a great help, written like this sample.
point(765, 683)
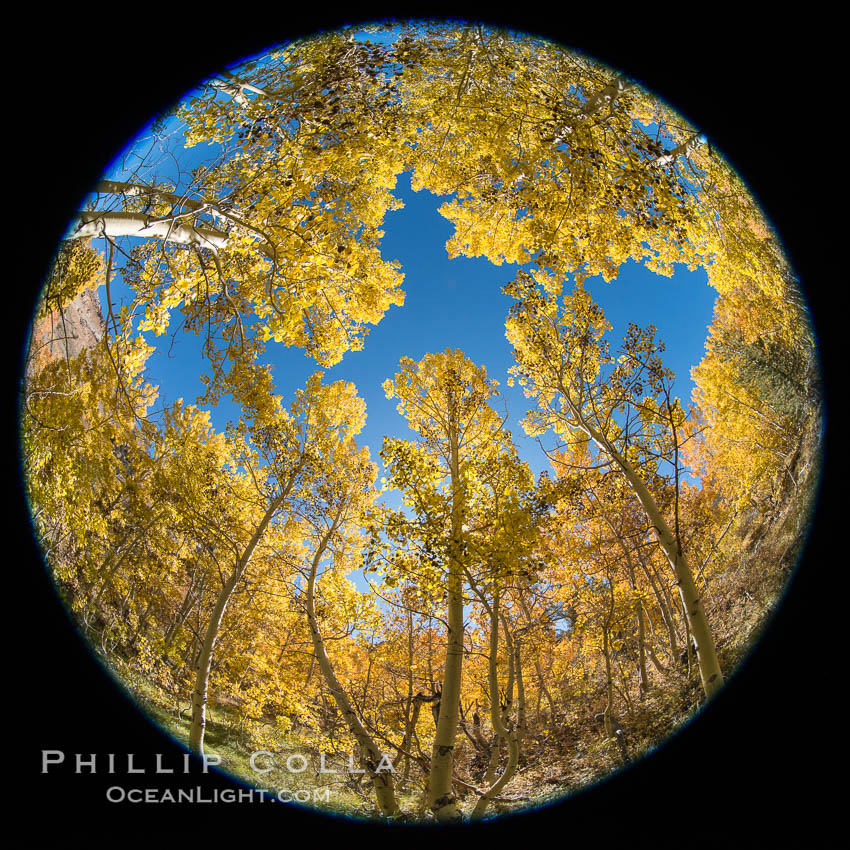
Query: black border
point(757, 765)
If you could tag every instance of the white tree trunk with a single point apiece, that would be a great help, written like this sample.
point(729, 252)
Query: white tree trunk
point(501, 731)
point(441, 797)
point(204, 664)
point(607, 95)
point(372, 756)
point(95, 224)
point(709, 666)
point(684, 149)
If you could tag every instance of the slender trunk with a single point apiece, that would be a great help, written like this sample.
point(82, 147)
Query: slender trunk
point(441, 797)
point(665, 607)
point(630, 564)
point(371, 756)
point(642, 671)
point(688, 648)
point(520, 692)
point(496, 717)
point(538, 714)
point(442, 800)
point(656, 663)
point(204, 664)
point(710, 673)
point(684, 149)
point(431, 655)
point(624, 678)
point(544, 688)
point(502, 733)
point(610, 724)
point(408, 711)
point(89, 225)
point(709, 666)
point(541, 681)
point(609, 678)
point(641, 627)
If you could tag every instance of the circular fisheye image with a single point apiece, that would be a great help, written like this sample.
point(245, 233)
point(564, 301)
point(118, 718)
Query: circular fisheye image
point(421, 421)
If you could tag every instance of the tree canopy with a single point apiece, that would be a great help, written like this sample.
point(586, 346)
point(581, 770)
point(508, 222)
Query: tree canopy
point(553, 628)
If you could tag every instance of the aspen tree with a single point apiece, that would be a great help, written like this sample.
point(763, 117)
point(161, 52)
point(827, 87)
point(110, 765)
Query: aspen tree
point(583, 393)
point(445, 399)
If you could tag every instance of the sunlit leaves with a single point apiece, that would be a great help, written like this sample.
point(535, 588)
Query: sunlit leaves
point(548, 160)
point(76, 268)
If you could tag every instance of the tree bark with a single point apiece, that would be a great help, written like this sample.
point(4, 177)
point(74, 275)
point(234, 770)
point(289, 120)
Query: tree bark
point(89, 225)
point(710, 673)
point(371, 756)
point(409, 717)
point(709, 666)
point(204, 664)
point(514, 735)
point(441, 796)
point(683, 149)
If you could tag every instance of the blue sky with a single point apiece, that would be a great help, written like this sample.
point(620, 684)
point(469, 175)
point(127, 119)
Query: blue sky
point(449, 304)
point(458, 304)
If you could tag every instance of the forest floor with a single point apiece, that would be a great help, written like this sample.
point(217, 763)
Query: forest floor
point(564, 754)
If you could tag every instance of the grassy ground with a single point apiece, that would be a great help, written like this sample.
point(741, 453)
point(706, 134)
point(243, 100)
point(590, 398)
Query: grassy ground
point(740, 603)
point(292, 769)
point(576, 754)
